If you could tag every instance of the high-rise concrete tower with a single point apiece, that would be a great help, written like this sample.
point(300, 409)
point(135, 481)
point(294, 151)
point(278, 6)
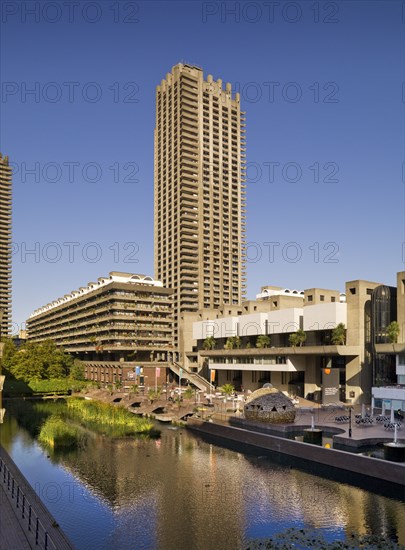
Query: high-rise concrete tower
point(5, 245)
point(199, 191)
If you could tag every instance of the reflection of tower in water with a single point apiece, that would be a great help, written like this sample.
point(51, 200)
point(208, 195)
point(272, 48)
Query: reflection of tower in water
point(182, 488)
point(174, 489)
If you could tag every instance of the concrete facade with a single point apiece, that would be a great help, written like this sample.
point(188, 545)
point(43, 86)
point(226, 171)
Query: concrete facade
point(302, 370)
point(358, 369)
point(199, 220)
point(114, 325)
point(5, 243)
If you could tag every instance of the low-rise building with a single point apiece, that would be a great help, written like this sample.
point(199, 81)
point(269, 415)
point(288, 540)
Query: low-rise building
point(243, 358)
point(121, 327)
point(227, 344)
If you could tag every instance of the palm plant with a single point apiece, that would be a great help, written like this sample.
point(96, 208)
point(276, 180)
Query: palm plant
point(297, 338)
point(339, 335)
point(227, 389)
point(263, 341)
point(393, 332)
point(209, 343)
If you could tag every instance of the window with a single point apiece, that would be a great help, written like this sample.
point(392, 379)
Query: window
point(265, 376)
point(275, 303)
point(309, 298)
point(322, 298)
point(352, 291)
point(333, 299)
point(285, 378)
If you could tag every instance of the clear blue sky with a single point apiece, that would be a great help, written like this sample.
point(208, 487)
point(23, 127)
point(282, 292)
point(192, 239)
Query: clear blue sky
point(322, 86)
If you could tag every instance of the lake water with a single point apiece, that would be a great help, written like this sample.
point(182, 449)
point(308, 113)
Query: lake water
point(183, 492)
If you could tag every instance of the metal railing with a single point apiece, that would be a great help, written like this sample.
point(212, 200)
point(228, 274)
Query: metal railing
point(192, 377)
point(25, 509)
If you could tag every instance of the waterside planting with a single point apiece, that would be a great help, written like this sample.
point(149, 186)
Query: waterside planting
point(104, 416)
point(57, 434)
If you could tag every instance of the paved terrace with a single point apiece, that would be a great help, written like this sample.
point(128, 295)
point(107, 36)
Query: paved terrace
point(324, 418)
point(227, 425)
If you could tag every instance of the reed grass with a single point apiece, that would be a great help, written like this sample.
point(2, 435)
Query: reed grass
point(56, 434)
point(97, 413)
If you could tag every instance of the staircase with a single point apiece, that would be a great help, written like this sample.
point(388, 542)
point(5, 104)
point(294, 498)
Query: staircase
point(193, 377)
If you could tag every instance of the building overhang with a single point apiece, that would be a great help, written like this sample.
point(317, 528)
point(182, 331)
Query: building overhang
point(344, 351)
point(390, 349)
point(123, 364)
point(389, 392)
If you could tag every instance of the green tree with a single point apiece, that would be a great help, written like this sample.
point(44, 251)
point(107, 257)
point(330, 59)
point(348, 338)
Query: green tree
point(77, 371)
point(228, 389)
point(189, 392)
point(297, 338)
point(41, 361)
point(263, 341)
point(237, 342)
point(339, 335)
point(9, 352)
point(229, 343)
point(152, 394)
point(209, 343)
point(233, 342)
point(393, 332)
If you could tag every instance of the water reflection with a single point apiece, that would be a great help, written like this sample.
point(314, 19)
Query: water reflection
point(184, 492)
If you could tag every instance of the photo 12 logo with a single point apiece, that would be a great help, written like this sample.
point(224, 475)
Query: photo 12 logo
point(69, 92)
point(270, 12)
point(72, 251)
point(291, 172)
point(288, 92)
point(74, 172)
point(69, 11)
point(292, 252)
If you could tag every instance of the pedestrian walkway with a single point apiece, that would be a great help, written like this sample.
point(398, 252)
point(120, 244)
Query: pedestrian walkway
point(24, 520)
point(12, 534)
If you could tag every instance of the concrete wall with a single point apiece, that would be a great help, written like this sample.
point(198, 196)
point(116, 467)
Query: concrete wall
point(252, 324)
point(325, 316)
point(341, 460)
point(284, 320)
point(218, 328)
point(315, 296)
point(358, 369)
